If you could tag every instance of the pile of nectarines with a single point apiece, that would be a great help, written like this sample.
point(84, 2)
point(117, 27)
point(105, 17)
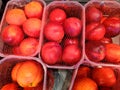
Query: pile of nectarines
point(27, 75)
point(23, 28)
point(62, 45)
point(100, 29)
point(62, 38)
point(95, 78)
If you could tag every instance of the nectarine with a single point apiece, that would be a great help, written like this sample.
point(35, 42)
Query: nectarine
point(12, 35)
point(27, 73)
point(10, 86)
point(33, 9)
point(95, 31)
point(71, 54)
point(54, 31)
point(57, 15)
point(85, 84)
point(95, 51)
point(15, 16)
point(112, 25)
point(73, 26)
point(83, 71)
point(104, 76)
point(93, 14)
point(51, 52)
point(14, 71)
point(112, 53)
point(28, 46)
point(32, 27)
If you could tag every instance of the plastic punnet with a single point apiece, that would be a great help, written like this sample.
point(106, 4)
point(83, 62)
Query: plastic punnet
point(109, 8)
point(115, 68)
point(7, 63)
point(72, 9)
point(4, 48)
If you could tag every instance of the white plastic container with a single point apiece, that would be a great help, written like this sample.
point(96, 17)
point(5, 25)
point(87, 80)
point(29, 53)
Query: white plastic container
point(72, 9)
point(4, 48)
point(7, 63)
point(91, 66)
point(110, 8)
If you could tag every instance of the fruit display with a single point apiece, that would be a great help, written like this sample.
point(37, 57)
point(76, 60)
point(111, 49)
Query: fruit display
point(22, 73)
point(62, 43)
point(21, 21)
point(102, 29)
point(95, 78)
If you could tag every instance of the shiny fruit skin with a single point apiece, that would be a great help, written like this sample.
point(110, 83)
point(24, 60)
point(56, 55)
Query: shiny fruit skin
point(32, 27)
point(95, 51)
point(69, 41)
point(51, 52)
point(57, 15)
point(33, 9)
point(10, 86)
point(112, 53)
point(112, 25)
point(93, 15)
point(103, 19)
point(12, 35)
point(29, 74)
point(95, 31)
point(106, 40)
point(54, 31)
point(73, 26)
point(15, 16)
point(71, 54)
point(14, 71)
point(85, 84)
point(83, 71)
point(104, 76)
point(28, 46)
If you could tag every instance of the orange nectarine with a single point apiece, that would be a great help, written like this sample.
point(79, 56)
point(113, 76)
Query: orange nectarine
point(85, 84)
point(33, 9)
point(32, 27)
point(15, 16)
point(28, 46)
point(10, 86)
point(14, 71)
point(27, 73)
